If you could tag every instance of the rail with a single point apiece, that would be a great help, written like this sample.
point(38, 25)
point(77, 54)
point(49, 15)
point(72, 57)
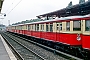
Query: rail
point(23, 47)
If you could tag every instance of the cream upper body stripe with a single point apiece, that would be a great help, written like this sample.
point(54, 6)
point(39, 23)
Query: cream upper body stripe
point(73, 32)
point(86, 33)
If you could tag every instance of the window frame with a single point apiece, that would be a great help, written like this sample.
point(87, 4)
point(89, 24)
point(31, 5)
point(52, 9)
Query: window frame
point(47, 29)
point(37, 27)
point(51, 27)
point(67, 25)
point(77, 29)
point(59, 28)
point(85, 25)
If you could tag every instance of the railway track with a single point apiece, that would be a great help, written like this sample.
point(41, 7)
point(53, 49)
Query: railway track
point(41, 52)
point(55, 56)
point(23, 52)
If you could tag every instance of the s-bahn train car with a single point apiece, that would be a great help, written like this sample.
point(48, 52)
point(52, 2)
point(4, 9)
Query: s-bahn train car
point(68, 33)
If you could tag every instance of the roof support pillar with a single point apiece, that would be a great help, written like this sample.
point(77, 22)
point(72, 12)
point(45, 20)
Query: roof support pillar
point(47, 18)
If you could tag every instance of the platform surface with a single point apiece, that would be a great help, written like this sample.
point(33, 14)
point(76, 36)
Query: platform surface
point(5, 52)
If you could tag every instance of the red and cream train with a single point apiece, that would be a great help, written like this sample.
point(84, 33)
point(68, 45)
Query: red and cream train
point(71, 31)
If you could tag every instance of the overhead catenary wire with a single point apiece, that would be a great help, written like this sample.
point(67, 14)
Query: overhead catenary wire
point(10, 6)
point(14, 7)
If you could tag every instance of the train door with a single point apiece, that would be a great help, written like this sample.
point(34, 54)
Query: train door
point(28, 30)
point(86, 34)
point(42, 33)
point(58, 30)
point(75, 32)
point(48, 28)
point(52, 34)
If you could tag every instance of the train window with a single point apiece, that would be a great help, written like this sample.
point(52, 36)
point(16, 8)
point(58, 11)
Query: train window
point(41, 27)
point(37, 27)
point(77, 25)
point(60, 26)
point(32, 27)
point(51, 27)
point(47, 27)
point(28, 27)
point(15, 27)
point(87, 25)
point(68, 26)
point(21, 28)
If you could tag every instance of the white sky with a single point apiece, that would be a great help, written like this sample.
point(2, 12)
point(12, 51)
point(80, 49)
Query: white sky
point(29, 9)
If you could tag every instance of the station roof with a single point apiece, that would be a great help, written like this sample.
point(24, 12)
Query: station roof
point(1, 3)
point(79, 9)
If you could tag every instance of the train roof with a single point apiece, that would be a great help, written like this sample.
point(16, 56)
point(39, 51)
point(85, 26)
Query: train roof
point(58, 19)
point(79, 9)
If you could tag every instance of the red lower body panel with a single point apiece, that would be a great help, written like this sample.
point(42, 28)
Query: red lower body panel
point(29, 33)
point(36, 34)
point(70, 39)
point(86, 41)
point(50, 36)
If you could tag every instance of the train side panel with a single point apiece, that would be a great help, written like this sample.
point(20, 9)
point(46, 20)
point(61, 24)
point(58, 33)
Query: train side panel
point(86, 34)
point(86, 42)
